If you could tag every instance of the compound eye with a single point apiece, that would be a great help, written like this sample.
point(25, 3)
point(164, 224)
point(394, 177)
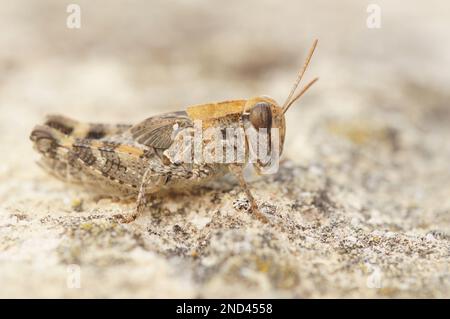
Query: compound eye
point(261, 116)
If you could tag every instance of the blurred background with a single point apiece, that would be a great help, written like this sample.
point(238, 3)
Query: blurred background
point(383, 88)
point(127, 62)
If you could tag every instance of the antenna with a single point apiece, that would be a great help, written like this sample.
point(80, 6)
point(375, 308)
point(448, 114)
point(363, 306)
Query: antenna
point(299, 78)
point(299, 94)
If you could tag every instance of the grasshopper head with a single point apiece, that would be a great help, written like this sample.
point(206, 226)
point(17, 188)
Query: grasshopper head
point(265, 128)
point(263, 114)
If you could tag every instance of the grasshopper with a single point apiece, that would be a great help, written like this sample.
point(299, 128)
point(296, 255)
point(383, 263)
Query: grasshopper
point(142, 160)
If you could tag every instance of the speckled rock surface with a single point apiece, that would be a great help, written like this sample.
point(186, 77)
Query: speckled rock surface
point(359, 208)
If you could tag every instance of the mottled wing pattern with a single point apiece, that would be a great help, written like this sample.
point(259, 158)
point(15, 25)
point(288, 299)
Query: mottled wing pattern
point(159, 131)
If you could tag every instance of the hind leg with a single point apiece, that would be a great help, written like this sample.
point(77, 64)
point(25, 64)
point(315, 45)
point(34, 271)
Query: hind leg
point(78, 129)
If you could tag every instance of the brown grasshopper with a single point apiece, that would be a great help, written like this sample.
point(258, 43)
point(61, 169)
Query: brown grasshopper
point(143, 159)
